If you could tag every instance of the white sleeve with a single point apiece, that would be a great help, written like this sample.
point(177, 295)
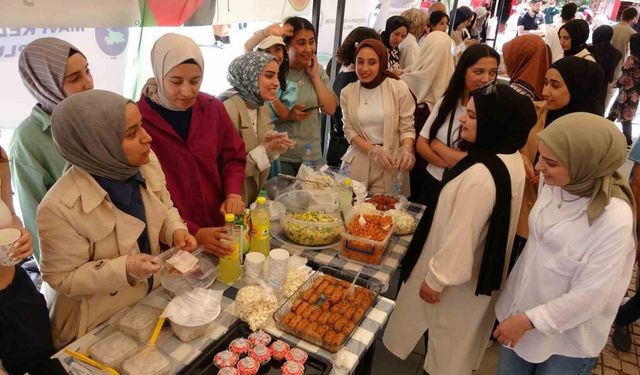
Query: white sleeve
point(259, 155)
point(424, 133)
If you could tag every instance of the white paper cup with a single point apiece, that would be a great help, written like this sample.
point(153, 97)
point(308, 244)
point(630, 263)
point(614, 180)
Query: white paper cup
point(253, 266)
point(8, 236)
point(278, 267)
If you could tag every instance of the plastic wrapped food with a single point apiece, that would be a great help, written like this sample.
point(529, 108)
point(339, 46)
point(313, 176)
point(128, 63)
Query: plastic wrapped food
point(404, 223)
point(240, 346)
point(260, 338)
point(297, 355)
point(260, 353)
point(147, 362)
point(255, 304)
point(139, 322)
point(112, 350)
point(192, 313)
point(292, 368)
point(225, 358)
point(248, 366)
point(279, 350)
point(228, 371)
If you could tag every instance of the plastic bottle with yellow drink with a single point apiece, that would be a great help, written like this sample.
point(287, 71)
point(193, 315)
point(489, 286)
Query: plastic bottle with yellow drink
point(229, 267)
point(260, 227)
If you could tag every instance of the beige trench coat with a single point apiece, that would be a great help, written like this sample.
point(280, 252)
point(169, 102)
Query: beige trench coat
point(398, 107)
point(85, 241)
point(254, 178)
point(460, 324)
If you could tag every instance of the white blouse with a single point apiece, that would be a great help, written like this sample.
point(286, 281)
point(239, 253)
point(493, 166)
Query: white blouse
point(571, 277)
point(371, 114)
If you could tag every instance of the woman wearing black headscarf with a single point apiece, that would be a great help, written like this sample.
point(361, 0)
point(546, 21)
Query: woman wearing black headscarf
point(606, 55)
point(464, 242)
point(395, 31)
point(463, 19)
point(626, 104)
point(573, 39)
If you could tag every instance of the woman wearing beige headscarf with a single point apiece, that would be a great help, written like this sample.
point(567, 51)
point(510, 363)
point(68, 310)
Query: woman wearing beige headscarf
point(409, 48)
point(563, 293)
point(200, 150)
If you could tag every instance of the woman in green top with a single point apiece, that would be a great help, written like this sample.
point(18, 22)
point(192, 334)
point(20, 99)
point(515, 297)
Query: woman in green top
point(304, 127)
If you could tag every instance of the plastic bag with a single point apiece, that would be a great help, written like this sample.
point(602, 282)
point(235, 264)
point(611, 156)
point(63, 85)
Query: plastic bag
point(255, 304)
point(197, 307)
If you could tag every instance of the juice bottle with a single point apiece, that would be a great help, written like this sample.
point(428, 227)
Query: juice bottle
point(345, 195)
point(229, 266)
point(242, 220)
point(260, 238)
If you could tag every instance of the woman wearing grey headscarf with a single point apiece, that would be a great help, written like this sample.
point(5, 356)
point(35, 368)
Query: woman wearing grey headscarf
point(201, 152)
point(254, 77)
point(102, 223)
point(51, 69)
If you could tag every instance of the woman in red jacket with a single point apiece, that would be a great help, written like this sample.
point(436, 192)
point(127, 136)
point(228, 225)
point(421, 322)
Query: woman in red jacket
point(200, 151)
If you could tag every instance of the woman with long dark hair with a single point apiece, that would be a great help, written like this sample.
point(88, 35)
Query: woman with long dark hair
point(439, 142)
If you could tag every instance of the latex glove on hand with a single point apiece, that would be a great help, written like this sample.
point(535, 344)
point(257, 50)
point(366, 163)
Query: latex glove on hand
point(406, 158)
point(380, 156)
point(141, 266)
point(23, 247)
point(212, 240)
point(277, 144)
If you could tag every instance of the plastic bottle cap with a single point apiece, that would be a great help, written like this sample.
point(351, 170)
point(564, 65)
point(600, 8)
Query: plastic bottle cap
point(263, 193)
point(229, 218)
point(347, 181)
point(261, 200)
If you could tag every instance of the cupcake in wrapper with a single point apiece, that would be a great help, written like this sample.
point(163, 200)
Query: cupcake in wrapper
point(279, 350)
point(240, 346)
point(260, 337)
point(292, 368)
point(248, 366)
point(260, 353)
point(297, 355)
point(228, 371)
point(225, 358)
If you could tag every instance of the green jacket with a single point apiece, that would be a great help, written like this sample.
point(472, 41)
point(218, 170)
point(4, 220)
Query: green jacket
point(35, 166)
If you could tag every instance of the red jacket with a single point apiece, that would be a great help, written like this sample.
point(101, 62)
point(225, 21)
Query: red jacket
point(203, 170)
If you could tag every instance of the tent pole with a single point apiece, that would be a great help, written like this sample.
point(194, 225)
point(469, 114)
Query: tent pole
point(453, 16)
point(337, 41)
point(315, 14)
point(500, 8)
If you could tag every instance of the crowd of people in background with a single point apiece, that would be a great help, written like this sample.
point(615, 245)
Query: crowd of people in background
point(527, 221)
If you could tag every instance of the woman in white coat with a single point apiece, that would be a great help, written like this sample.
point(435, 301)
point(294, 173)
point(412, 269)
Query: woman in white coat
point(378, 122)
point(470, 229)
point(564, 291)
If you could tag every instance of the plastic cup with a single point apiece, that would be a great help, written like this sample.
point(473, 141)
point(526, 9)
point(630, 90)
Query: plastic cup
point(8, 237)
point(278, 267)
point(253, 265)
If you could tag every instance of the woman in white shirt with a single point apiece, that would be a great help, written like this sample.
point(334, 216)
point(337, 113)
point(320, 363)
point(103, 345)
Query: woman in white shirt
point(439, 142)
point(377, 114)
point(564, 291)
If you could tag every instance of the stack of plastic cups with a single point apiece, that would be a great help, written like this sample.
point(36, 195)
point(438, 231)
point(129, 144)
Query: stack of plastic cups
point(253, 267)
point(278, 268)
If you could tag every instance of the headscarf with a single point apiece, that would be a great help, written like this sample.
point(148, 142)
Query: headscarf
point(462, 14)
point(430, 75)
point(593, 149)
point(42, 65)
point(244, 74)
point(169, 51)
point(607, 56)
point(585, 82)
point(503, 124)
point(383, 57)
point(527, 60)
point(634, 44)
point(418, 19)
point(393, 24)
point(579, 32)
point(88, 129)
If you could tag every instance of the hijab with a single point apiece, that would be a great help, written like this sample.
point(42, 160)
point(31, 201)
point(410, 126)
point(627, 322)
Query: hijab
point(593, 149)
point(383, 58)
point(393, 24)
point(579, 32)
point(88, 129)
point(418, 20)
point(430, 75)
point(169, 51)
point(606, 55)
point(42, 65)
point(527, 61)
point(244, 74)
point(504, 119)
point(462, 14)
point(585, 82)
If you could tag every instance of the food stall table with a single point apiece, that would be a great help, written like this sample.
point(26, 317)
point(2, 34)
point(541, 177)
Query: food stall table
point(396, 250)
point(182, 353)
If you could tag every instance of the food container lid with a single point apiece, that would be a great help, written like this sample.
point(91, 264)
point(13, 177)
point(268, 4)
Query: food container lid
point(111, 350)
point(149, 361)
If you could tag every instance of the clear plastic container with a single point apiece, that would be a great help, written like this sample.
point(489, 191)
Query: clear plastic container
point(201, 277)
point(112, 350)
point(148, 361)
point(139, 321)
point(189, 333)
point(363, 249)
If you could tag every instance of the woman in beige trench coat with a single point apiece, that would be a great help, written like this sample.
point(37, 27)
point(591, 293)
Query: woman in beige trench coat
point(102, 222)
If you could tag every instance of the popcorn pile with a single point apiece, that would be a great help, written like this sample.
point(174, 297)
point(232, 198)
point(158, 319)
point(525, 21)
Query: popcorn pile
point(255, 304)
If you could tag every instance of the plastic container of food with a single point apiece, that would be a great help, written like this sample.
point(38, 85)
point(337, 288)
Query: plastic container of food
point(148, 361)
point(320, 312)
point(312, 228)
point(192, 313)
point(202, 276)
point(113, 349)
point(370, 249)
point(138, 322)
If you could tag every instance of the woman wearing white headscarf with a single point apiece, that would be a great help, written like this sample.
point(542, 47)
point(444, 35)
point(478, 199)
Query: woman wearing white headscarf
point(254, 77)
point(51, 69)
point(201, 152)
point(102, 223)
